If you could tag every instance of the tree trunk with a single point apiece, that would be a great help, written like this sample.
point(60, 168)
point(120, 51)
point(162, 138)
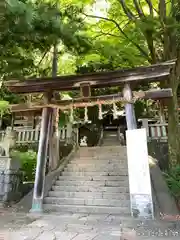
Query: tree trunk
point(54, 140)
point(173, 123)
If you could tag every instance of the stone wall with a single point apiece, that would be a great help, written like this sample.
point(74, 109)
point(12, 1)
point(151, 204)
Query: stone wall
point(10, 180)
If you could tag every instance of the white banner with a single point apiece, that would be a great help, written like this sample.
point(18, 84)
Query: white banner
point(139, 174)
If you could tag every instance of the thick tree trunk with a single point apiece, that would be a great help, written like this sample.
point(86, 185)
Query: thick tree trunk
point(173, 123)
point(54, 144)
point(54, 140)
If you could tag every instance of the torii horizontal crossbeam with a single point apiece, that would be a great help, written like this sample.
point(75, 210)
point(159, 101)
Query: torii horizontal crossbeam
point(91, 101)
point(158, 72)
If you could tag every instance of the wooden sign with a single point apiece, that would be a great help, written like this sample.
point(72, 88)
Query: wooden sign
point(85, 90)
point(139, 174)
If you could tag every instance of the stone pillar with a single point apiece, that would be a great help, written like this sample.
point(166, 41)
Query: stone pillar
point(41, 161)
point(129, 108)
point(145, 124)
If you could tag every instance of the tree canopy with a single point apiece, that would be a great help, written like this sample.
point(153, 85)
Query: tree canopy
point(29, 29)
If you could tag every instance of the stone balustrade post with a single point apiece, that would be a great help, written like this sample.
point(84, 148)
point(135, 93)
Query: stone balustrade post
point(145, 125)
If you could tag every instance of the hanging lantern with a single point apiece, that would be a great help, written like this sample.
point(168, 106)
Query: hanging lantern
point(86, 114)
point(71, 114)
point(114, 111)
point(100, 112)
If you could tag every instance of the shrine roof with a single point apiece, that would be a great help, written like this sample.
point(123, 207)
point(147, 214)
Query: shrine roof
point(158, 72)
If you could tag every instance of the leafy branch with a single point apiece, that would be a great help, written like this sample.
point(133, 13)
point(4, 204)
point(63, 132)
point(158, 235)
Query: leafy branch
point(144, 53)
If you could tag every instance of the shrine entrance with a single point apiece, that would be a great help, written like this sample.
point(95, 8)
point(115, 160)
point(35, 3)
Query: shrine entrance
point(125, 79)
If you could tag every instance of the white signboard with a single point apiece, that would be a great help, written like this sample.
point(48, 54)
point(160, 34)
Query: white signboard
point(139, 174)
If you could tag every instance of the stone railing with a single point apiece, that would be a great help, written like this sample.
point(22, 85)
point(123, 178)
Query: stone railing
point(28, 135)
point(156, 131)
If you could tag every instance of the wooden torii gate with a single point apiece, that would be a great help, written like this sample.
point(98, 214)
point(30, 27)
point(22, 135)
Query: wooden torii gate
point(127, 78)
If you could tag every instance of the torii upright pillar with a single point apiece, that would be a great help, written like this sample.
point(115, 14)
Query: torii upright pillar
point(129, 108)
point(38, 194)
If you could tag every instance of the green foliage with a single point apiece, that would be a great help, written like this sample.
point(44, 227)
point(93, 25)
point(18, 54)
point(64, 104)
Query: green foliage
point(28, 163)
point(4, 107)
point(173, 180)
point(29, 29)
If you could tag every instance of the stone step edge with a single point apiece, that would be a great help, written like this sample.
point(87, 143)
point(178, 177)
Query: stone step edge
point(93, 181)
point(91, 178)
point(98, 187)
point(104, 194)
point(85, 206)
point(78, 169)
point(98, 172)
point(83, 199)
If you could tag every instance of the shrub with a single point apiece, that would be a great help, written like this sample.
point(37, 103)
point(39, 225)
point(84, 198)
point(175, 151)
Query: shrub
point(173, 180)
point(28, 163)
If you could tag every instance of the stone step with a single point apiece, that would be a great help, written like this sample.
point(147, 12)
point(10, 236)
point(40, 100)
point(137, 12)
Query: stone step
point(111, 140)
point(104, 158)
point(102, 152)
point(95, 173)
point(94, 178)
point(96, 169)
point(90, 195)
point(102, 149)
point(97, 164)
point(91, 189)
point(88, 202)
point(109, 143)
point(104, 183)
point(87, 209)
point(89, 161)
point(102, 155)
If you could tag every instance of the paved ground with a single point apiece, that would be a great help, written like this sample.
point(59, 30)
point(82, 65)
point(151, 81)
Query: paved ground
point(66, 227)
point(20, 226)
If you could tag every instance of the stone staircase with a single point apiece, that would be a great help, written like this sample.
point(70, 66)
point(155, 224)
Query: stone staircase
point(110, 138)
point(95, 181)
